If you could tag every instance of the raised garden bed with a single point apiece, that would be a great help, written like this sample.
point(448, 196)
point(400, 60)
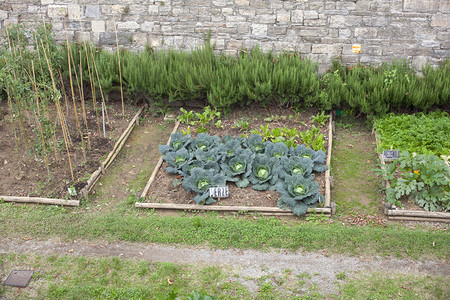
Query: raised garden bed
point(163, 194)
point(409, 210)
point(25, 180)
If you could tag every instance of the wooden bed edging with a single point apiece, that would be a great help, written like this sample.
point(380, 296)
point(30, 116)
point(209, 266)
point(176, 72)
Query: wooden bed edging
point(328, 210)
point(408, 215)
point(40, 200)
point(90, 183)
point(265, 210)
point(328, 172)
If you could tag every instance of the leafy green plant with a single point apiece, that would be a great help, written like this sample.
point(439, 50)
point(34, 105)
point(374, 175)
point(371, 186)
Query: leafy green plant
point(255, 143)
point(320, 118)
point(419, 133)
point(176, 160)
point(264, 175)
point(276, 150)
point(205, 142)
point(317, 157)
point(177, 141)
point(200, 181)
point(313, 138)
point(238, 168)
point(241, 124)
point(296, 165)
point(298, 193)
point(423, 178)
point(187, 117)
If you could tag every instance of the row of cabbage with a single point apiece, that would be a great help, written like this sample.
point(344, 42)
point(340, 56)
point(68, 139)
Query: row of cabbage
point(208, 161)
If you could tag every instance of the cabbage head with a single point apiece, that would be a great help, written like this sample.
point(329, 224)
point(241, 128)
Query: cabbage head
point(298, 193)
point(230, 148)
point(200, 181)
point(177, 141)
point(277, 150)
point(177, 160)
point(264, 174)
point(239, 168)
point(212, 154)
point(317, 157)
point(296, 165)
point(255, 143)
point(205, 142)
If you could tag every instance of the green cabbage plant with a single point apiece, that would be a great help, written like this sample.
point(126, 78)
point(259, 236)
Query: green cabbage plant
point(296, 165)
point(255, 143)
point(205, 142)
point(264, 174)
point(298, 193)
point(239, 168)
point(200, 181)
point(317, 157)
point(277, 150)
point(177, 160)
point(177, 141)
point(230, 148)
point(212, 154)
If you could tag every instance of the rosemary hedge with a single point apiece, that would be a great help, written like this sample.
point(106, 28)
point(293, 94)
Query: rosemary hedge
point(254, 76)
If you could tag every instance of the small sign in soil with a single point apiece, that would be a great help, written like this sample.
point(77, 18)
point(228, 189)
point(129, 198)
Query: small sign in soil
point(390, 155)
point(219, 192)
point(19, 278)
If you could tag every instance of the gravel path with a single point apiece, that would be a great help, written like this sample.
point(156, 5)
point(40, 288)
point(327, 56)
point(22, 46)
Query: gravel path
point(249, 264)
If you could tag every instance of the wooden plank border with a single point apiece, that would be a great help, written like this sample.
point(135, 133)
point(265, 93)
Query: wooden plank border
point(112, 154)
point(94, 177)
point(396, 214)
point(38, 200)
point(269, 211)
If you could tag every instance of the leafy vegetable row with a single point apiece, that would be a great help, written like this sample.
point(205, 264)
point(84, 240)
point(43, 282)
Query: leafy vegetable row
point(207, 162)
point(419, 133)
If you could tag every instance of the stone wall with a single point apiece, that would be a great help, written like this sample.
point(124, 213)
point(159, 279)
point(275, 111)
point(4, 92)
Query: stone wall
point(418, 30)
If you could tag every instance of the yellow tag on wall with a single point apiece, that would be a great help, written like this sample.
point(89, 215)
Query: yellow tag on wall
point(356, 48)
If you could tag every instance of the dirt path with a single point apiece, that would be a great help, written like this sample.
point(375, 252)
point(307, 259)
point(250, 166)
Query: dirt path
point(249, 264)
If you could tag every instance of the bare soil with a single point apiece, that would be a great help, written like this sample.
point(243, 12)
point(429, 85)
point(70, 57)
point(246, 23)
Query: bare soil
point(163, 189)
point(23, 173)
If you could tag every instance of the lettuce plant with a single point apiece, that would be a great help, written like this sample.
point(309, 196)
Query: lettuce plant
point(238, 168)
point(296, 165)
point(200, 181)
point(317, 157)
point(298, 193)
point(205, 142)
point(264, 174)
point(177, 160)
point(177, 141)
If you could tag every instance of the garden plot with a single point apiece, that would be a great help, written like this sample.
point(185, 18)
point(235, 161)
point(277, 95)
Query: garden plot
point(165, 190)
point(27, 175)
point(414, 152)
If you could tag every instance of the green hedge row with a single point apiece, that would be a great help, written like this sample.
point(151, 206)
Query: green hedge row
point(285, 78)
point(226, 81)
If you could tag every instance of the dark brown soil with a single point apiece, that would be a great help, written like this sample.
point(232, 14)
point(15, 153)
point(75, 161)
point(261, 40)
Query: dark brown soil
point(23, 173)
point(163, 189)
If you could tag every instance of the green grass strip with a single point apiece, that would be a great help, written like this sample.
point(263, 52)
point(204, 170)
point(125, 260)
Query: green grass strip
point(222, 232)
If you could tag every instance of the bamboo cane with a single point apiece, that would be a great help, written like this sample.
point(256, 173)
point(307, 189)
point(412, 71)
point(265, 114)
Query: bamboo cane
point(94, 103)
point(120, 70)
point(59, 110)
point(83, 107)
